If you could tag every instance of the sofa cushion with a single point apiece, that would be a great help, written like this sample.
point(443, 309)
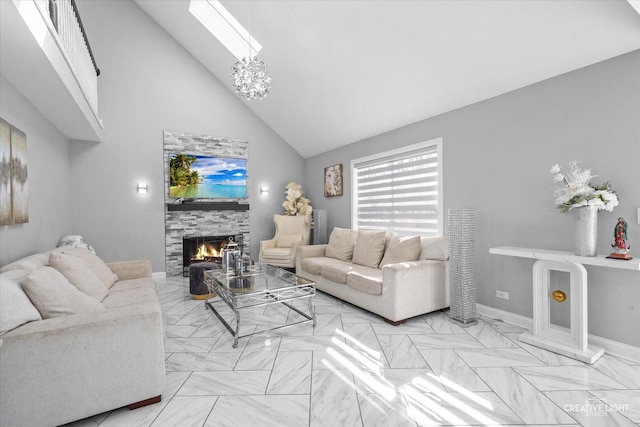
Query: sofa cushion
point(132, 269)
point(79, 274)
point(277, 253)
point(96, 264)
point(287, 240)
point(388, 236)
point(313, 265)
point(15, 306)
point(401, 249)
point(341, 244)
point(126, 285)
point(436, 248)
point(30, 263)
point(367, 280)
point(131, 297)
point(54, 296)
point(336, 271)
point(369, 248)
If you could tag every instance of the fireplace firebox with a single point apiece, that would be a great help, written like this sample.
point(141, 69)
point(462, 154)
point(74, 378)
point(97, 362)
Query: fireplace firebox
point(205, 249)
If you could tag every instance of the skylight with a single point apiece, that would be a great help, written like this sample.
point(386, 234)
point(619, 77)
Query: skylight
point(224, 27)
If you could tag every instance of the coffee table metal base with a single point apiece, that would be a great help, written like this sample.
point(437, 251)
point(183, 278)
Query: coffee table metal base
point(311, 317)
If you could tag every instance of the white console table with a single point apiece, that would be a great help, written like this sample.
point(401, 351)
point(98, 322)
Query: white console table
point(571, 342)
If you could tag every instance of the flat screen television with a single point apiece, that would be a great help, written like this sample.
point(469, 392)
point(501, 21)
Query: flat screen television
point(207, 177)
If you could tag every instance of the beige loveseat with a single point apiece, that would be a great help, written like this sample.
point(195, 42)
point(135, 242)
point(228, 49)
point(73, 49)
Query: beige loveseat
point(394, 277)
point(78, 337)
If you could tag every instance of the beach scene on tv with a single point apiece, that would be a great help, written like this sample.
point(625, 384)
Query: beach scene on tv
point(207, 177)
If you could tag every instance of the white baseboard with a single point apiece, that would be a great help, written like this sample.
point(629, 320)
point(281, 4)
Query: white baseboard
point(159, 275)
point(615, 348)
point(506, 316)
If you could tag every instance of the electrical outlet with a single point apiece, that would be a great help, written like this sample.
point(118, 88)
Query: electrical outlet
point(502, 294)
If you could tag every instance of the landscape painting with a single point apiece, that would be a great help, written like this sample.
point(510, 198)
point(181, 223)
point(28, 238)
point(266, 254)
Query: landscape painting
point(207, 177)
point(14, 189)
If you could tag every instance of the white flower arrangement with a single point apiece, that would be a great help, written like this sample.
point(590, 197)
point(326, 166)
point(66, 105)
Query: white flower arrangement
point(295, 203)
point(577, 190)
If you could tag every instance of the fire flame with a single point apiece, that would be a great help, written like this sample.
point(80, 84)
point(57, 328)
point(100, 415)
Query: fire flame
point(205, 252)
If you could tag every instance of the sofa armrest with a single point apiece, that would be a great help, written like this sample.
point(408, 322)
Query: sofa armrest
point(310, 251)
point(409, 287)
point(127, 270)
point(50, 364)
point(294, 248)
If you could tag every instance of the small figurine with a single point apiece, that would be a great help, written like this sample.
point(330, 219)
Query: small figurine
point(620, 234)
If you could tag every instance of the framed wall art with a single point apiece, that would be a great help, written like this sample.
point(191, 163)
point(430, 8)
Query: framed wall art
point(14, 190)
point(333, 180)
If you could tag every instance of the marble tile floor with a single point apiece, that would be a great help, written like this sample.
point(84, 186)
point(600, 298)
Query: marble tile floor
point(353, 369)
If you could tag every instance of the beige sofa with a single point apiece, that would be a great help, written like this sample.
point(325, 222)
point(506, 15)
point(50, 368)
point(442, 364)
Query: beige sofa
point(70, 349)
point(394, 277)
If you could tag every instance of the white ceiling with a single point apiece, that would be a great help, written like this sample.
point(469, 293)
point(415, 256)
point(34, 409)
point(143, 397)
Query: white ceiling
point(348, 70)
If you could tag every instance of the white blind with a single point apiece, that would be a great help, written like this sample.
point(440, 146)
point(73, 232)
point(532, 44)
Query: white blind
point(399, 190)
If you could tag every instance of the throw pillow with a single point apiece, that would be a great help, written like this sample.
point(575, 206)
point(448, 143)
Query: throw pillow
point(15, 306)
point(96, 264)
point(79, 274)
point(54, 296)
point(388, 235)
point(287, 240)
point(30, 263)
point(369, 248)
point(401, 249)
point(341, 244)
point(434, 248)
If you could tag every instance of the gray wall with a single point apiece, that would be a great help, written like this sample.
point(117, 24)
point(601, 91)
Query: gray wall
point(49, 180)
point(497, 155)
point(148, 84)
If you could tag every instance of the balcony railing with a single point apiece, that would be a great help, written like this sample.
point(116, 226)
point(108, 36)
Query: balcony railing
point(64, 17)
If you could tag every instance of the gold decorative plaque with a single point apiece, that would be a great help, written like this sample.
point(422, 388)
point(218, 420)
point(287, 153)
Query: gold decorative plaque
point(558, 296)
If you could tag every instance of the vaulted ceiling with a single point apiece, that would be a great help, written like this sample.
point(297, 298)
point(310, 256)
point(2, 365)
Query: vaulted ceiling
point(347, 70)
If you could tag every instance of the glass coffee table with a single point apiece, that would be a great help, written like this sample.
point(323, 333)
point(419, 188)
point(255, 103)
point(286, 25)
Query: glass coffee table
point(262, 284)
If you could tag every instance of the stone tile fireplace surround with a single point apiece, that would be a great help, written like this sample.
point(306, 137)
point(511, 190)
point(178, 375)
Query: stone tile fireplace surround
point(201, 217)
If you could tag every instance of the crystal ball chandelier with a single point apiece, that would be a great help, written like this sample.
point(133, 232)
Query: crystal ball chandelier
point(251, 78)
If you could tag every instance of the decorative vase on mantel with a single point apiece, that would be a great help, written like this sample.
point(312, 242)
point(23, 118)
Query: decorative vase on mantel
point(586, 231)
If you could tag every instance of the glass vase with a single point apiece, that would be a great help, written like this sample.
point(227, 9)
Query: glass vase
point(586, 231)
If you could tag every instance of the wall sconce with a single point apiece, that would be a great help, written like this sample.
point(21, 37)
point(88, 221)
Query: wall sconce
point(264, 191)
point(142, 188)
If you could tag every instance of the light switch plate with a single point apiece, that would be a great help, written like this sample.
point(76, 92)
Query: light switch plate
point(638, 215)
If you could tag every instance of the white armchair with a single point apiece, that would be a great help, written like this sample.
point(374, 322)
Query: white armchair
point(291, 232)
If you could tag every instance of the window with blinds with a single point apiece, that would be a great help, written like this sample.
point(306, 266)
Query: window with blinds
point(399, 190)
